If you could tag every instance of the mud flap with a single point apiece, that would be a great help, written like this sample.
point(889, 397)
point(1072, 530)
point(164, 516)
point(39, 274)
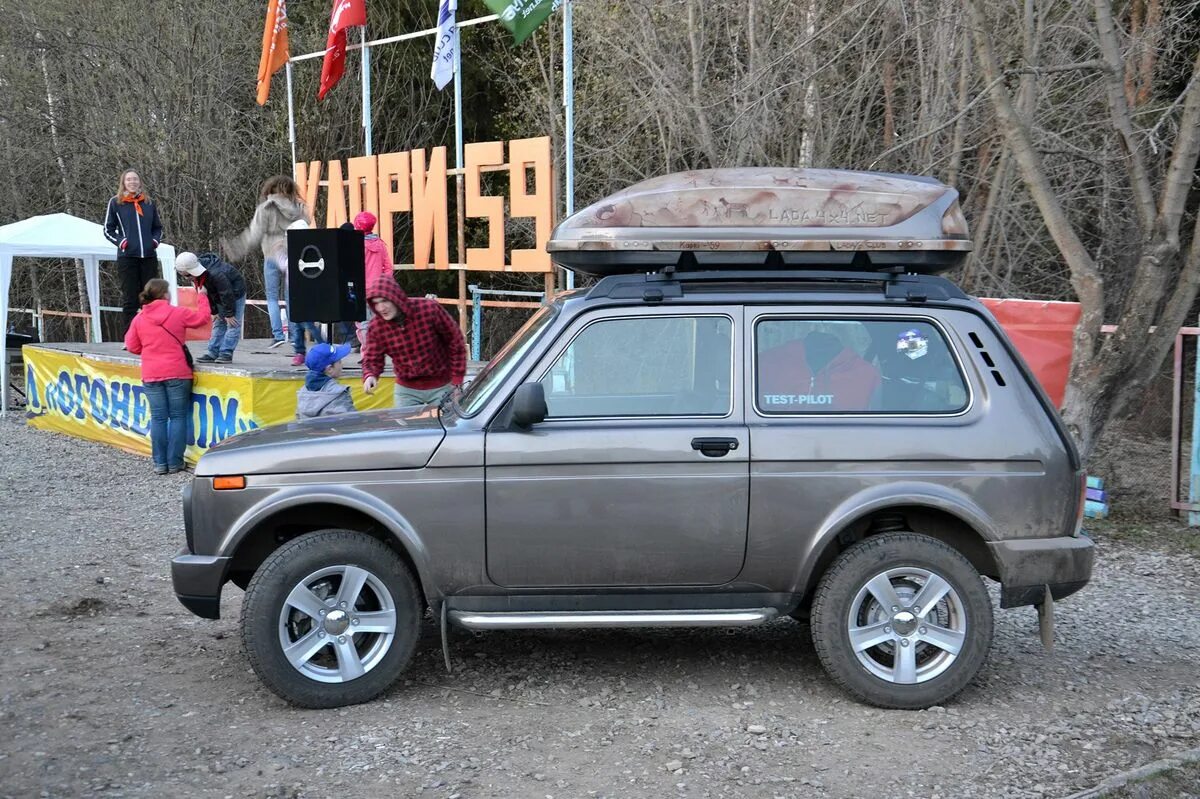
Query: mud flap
point(446, 638)
point(1045, 611)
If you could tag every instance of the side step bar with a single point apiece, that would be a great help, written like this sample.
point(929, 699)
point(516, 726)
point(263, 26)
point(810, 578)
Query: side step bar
point(618, 618)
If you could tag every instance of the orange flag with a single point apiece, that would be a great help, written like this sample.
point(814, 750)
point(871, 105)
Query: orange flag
point(274, 47)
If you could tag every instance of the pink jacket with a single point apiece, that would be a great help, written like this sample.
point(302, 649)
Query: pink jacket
point(379, 260)
point(156, 334)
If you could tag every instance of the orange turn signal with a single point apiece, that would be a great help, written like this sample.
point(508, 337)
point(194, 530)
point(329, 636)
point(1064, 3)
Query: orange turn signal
point(229, 483)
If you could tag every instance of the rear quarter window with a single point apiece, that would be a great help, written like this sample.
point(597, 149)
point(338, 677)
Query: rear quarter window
point(858, 366)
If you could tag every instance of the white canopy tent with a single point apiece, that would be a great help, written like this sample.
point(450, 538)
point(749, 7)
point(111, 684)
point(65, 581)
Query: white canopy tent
point(61, 236)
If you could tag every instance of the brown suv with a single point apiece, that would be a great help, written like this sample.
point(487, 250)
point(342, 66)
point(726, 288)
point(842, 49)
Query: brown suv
point(768, 405)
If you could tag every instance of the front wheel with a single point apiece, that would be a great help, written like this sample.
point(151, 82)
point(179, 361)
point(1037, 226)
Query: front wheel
point(902, 620)
point(330, 619)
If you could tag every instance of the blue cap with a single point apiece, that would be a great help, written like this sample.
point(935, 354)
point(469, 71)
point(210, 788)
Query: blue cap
point(322, 356)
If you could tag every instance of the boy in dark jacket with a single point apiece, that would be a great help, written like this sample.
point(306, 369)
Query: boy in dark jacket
point(322, 394)
point(227, 293)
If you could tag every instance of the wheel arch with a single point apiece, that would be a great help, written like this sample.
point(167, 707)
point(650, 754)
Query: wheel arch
point(941, 515)
point(265, 527)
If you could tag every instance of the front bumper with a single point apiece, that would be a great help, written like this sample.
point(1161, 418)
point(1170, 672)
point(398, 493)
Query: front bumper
point(1029, 566)
point(197, 580)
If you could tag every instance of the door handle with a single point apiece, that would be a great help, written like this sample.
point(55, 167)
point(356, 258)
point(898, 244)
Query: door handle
point(714, 447)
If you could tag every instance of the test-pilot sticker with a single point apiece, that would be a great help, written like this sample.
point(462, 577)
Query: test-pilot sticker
point(795, 401)
point(912, 344)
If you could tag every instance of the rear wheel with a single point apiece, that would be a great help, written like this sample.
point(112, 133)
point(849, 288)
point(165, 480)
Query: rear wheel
point(902, 621)
point(330, 619)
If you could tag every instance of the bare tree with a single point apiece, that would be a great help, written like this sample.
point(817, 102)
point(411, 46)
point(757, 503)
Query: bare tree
point(1109, 373)
point(1068, 128)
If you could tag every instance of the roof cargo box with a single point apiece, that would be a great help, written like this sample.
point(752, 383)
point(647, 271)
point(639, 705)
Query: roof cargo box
point(766, 217)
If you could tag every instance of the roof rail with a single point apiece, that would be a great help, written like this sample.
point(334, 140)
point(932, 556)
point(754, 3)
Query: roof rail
point(667, 284)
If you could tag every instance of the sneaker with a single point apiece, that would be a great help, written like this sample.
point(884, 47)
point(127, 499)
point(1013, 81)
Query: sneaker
point(297, 360)
point(276, 343)
point(225, 357)
point(173, 469)
point(160, 469)
point(207, 357)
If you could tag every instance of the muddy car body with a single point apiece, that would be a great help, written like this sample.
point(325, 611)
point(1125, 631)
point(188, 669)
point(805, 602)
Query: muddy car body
point(777, 418)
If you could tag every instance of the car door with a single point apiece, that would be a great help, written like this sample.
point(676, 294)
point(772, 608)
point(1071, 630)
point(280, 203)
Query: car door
point(639, 476)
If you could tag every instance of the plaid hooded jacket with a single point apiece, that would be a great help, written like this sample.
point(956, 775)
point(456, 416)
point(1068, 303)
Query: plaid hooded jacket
point(426, 347)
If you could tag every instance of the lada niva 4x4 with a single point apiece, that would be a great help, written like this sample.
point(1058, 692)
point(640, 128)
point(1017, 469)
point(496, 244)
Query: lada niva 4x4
point(768, 404)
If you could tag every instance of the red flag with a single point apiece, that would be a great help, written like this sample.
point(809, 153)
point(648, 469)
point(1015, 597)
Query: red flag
point(346, 14)
point(275, 47)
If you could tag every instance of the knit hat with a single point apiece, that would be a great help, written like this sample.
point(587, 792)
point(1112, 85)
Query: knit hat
point(365, 221)
point(186, 263)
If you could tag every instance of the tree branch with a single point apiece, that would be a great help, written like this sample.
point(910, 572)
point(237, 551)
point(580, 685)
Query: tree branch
point(1118, 107)
point(1180, 304)
point(1084, 275)
point(939, 128)
point(1183, 160)
point(705, 130)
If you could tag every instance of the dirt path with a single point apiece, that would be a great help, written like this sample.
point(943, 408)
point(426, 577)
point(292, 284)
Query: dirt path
point(110, 688)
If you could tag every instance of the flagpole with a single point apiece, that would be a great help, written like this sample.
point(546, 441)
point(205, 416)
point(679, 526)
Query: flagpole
point(366, 89)
point(461, 185)
point(291, 117)
point(569, 102)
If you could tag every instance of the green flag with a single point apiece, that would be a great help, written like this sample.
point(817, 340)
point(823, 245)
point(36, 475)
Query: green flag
point(522, 16)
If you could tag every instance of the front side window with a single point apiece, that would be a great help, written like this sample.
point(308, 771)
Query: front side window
point(644, 366)
point(855, 366)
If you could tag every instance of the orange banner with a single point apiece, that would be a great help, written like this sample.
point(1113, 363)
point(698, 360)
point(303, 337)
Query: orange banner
point(1043, 332)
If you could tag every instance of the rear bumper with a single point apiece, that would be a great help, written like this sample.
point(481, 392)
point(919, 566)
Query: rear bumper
point(197, 580)
point(1029, 566)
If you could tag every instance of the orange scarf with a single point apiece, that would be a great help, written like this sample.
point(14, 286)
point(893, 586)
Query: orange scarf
point(136, 199)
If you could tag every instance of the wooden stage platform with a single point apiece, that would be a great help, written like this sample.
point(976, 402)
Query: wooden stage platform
point(253, 358)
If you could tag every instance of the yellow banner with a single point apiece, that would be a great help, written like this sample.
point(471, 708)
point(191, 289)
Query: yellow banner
point(101, 400)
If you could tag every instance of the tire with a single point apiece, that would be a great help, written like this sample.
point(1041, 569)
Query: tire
point(334, 666)
point(938, 656)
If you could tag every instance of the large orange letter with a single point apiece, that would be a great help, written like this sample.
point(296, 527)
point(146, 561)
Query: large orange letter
point(364, 185)
point(430, 212)
point(491, 257)
point(335, 196)
point(308, 184)
point(393, 172)
point(523, 153)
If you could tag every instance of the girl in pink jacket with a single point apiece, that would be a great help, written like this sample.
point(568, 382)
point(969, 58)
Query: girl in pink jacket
point(378, 259)
point(157, 334)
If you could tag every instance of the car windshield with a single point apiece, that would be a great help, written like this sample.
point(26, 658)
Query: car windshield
point(493, 374)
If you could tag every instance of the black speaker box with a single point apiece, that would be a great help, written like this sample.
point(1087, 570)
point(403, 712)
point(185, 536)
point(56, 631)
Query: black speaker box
point(326, 275)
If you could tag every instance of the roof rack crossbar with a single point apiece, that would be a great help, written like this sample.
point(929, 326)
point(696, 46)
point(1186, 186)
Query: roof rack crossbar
point(725, 275)
point(665, 284)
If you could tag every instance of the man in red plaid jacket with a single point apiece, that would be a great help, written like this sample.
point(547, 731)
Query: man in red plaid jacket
point(429, 356)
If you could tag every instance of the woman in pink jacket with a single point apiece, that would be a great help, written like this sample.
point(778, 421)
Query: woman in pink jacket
point(157, 334)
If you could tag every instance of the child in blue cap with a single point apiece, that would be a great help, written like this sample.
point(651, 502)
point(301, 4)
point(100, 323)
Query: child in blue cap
point(322, 394)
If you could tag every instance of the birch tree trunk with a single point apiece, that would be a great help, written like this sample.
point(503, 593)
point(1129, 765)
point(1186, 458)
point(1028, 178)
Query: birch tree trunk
point(68, 196)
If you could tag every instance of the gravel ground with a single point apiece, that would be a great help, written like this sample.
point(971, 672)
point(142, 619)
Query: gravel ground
point(110, 688)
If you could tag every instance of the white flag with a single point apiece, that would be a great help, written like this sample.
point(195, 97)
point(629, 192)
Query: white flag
point(443, 48)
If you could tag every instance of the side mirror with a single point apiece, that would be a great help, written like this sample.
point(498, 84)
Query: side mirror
point(529, 405)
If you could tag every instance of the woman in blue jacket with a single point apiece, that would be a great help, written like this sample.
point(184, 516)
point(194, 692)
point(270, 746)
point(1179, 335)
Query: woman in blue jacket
point(131, 223)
